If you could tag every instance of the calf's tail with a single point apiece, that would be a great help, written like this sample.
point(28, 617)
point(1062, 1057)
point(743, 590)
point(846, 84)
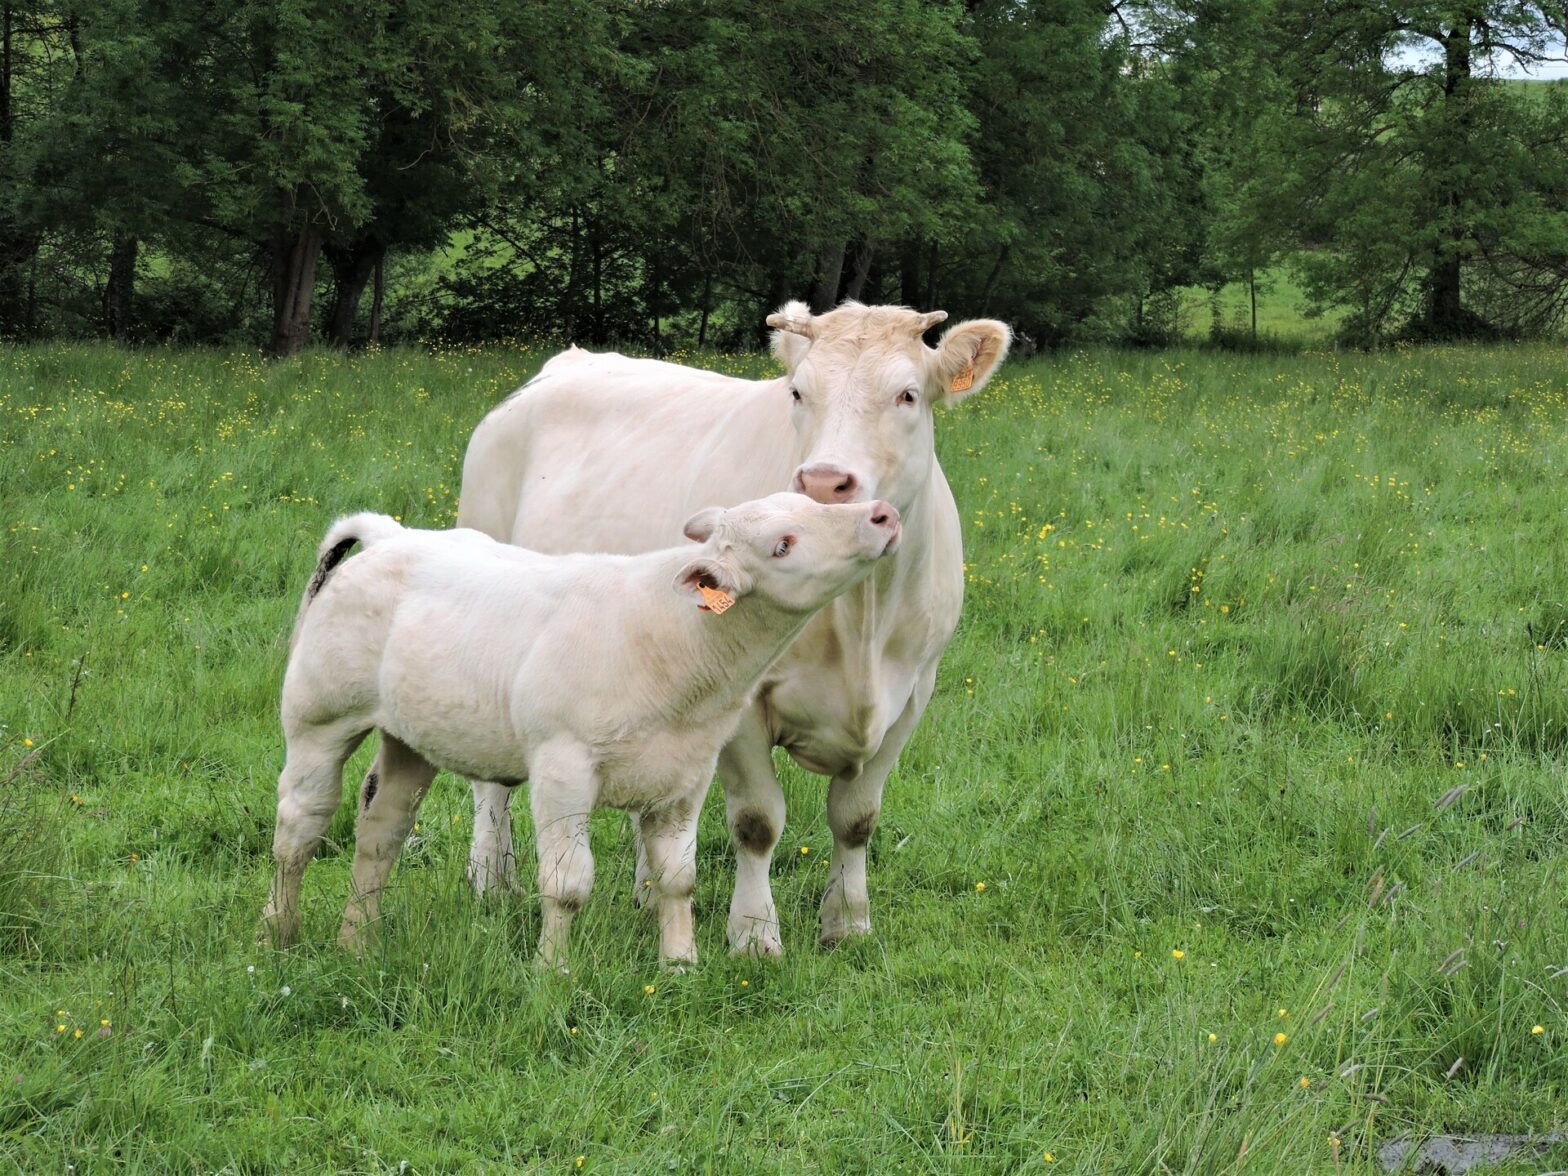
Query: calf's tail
point(367, 529)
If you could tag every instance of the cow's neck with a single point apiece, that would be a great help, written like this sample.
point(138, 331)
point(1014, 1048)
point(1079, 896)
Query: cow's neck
point(863, 616)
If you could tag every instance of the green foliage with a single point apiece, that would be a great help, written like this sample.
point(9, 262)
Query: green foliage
point(665, 174)
point(1236, 627)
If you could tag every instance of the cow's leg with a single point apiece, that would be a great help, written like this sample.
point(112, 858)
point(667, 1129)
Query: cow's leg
point(388, 803)
point(491, 862)
point(854, 805)
point(562, 792)
point(754, 808)
point(310, 789)
point(670, 837)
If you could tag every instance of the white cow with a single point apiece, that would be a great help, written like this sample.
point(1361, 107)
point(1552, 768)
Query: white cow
point(596, 678)
point(601, 452)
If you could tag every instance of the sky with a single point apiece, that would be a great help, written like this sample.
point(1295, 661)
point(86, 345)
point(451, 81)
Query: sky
point(1506, 66)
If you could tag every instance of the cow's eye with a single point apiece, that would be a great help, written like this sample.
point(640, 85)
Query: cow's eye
point(781, 548)
point(907, 396)
point(794, 394)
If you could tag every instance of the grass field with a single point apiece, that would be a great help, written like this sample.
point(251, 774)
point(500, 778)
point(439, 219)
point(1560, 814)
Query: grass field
point(1282, 311)
point(1237, 820)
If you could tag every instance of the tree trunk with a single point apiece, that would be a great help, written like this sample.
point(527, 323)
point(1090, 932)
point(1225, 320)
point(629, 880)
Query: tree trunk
point(351, 272)
point(7, 19)
point(598, 333)
point(856, 286)
point(909, 275)
point(931, 290)
point(707, 295)
point(830, 269)
point(653, 304)
point(13, 255)
point(1446, 314)
point(573, 264)
point(378, 298)
point(294, 258)
point(121, 288)
point(1252, 293)
point(994, 277)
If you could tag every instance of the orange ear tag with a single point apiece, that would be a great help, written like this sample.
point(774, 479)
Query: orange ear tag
point(714, 600)
point(964, 380)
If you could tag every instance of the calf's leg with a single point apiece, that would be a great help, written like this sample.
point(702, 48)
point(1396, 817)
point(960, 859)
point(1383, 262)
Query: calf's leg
point(491, 864)
point(754, 808)
point(670, 837)
point(388, 803)
point(562, 792)
point(642, 878)
point(309, 791)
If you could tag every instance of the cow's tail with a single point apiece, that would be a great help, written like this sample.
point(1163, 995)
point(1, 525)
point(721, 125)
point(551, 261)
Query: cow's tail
point(367, 529)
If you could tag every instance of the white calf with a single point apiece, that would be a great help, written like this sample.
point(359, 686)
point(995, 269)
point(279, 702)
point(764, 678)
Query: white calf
point(600, 679)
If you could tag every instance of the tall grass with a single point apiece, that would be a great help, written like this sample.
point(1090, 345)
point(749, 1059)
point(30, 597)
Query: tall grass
point(1262, 662)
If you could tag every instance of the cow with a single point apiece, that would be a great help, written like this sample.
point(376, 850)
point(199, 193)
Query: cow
point(601, 452)
point(598, 679)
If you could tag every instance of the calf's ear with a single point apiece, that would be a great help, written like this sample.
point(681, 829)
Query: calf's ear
point(700, 526)
point(968, 355)
point(706, 572)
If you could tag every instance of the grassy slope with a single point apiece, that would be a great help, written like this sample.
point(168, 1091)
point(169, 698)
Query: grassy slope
point(1234, 625)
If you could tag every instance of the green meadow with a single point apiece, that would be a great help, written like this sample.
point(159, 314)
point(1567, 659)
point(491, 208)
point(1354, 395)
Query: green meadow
point(1233, 840)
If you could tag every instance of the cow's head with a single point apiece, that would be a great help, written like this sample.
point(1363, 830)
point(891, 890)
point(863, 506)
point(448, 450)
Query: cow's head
point(864, 385)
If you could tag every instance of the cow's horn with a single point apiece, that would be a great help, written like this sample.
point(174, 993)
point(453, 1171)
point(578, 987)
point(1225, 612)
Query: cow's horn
point(924, 322)
point(798, 323)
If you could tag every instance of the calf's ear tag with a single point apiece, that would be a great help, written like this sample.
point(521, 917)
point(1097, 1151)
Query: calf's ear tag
point(964, 380)
point(715, 600)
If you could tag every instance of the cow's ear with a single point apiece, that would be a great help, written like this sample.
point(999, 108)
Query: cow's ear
point(706, 572)
point(967, 356)
point(793, 328)
point(701, 525)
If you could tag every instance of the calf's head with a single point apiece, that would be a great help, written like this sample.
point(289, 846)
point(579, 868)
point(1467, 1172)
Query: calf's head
point(863, 386)
point(787, 549)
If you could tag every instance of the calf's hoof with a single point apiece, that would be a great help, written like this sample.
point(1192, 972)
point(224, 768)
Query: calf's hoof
point(354, 939)
point(492, 881)
point(277, 932)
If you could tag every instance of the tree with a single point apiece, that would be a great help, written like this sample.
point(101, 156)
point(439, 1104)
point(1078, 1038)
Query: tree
point(1416, 178)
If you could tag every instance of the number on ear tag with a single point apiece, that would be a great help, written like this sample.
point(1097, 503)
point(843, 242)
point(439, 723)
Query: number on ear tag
point(714, 600)
point(964, 380)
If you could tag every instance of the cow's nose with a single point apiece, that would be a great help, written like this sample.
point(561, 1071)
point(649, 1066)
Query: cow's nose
point(883, 514)
point(826, 484)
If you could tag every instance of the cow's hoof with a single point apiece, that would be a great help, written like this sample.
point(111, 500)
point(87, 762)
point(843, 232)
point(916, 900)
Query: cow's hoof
point(836, 931)
point(757, 943)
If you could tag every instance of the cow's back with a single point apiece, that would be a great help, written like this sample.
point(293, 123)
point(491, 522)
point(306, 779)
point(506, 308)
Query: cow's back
point(606, 453)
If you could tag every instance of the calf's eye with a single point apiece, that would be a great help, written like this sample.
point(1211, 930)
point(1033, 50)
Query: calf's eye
point(907, 396)
point(781, 549)
point(795, 395)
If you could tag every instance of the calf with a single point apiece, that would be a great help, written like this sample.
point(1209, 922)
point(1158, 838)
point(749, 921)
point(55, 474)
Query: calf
point(599, 679)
